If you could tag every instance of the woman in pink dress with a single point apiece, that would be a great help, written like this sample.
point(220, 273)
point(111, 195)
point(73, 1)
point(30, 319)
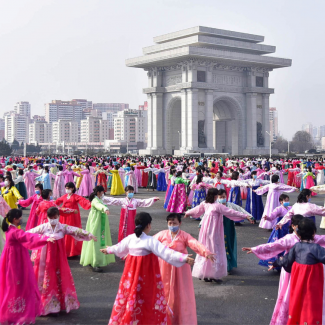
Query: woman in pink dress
point(86, 186)
point(34, 200)
point(177, 281)
point(29, 179)
point(132, 181)
point(51, 267)
point(309, 177)
point(272, 250)
point(68, 175)
point(274, 191)
point(58, 188)
point(20, 301)
point(212, 236)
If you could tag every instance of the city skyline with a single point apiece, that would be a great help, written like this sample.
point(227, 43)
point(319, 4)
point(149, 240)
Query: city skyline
point(92, 64)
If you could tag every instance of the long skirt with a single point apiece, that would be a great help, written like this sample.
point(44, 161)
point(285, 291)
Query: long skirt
point(140, 298)
point(109, 181)
point(54, 278)
point(152, 181)
point(21, 187)
point(178, 200)
point(310, 183)
point(254, 204)
point(101, 180)
point(161, 184)
point(243, 192)
point(230, 243)
point(306, 294)
point(127, 224)
point(199, 196)
point(235, 197)
point(276, 235)
point(168, 195)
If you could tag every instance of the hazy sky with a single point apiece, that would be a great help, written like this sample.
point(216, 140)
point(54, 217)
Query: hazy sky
point(65, 49)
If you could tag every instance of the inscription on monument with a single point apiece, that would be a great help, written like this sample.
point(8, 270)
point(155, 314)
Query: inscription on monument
point(173, 80)
point(227, 80)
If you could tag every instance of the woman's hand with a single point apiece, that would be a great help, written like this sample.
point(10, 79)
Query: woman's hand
point(75, 211)
point(107, 212)
point(247, 249)
point(250, 219)
point(156, 199)
point(104, 251)
point(211, 257)
point(265, 217)
point(277, 227)
point(94, 238)
point(51, 240)
point(190, 260)
point(187, 215)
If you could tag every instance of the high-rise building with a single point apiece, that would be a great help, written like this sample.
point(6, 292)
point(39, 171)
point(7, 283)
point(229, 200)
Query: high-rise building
point(2, 128)
point(40, 132)
point(16, 128)
point(38, 118)
point(110, 107)
point(129, 126)
point(143, 107)
point(94, 129)
point(308, 127)
point(22, 108)
point(274, 131)
point(321, 131)
point(84, 103)
point(65, 130)
point(63, 110)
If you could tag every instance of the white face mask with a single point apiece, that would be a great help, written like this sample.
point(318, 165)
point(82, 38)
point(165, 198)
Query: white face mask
point(53, 222)
point(6, 183)
point(102, 196)
point(68, 191)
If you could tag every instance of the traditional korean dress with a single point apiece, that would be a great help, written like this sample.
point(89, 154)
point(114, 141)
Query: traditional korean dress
point(161, 183)
point(138, 174)
point(102, 178)
point(132, 181)
point(78, 180)
point(254, 202)
point(274, 191)
point(117, 185)
point(320, 189)
point(34, 200)
point(21, 187)
point(52, 271)
point(178, 198)
point(141, 299)
point(29, 178)
point(4, 209)
point(212, 237)
point(169, 191)
point(86, 186)
point(98, 225)
point(145, 176)
point(20, 301)
point(128, 212)
point(121, 172)
point(73, 247)
point(2, 236)
point(310, 181)
point(152, 179)
point(68, 176)
point(305, 261)
point(200, 193)
point(177, 281)
point(11, 196)
point(59, 185)
point(276, 234)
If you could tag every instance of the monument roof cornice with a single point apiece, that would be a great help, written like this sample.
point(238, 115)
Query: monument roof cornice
point(214, 56)
point(212, 42)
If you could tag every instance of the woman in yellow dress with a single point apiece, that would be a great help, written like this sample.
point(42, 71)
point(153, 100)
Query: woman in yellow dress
point(117, 186)
point(77, 169)
point(10, 193)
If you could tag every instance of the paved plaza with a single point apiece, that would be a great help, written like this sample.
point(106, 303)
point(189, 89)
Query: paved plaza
point(245, 297)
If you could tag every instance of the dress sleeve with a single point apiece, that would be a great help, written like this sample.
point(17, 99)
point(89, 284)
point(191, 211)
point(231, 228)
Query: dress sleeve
point(275, 213)
point(169, 255)
point(320, 189)
point(317, 210)
point(76, 174)
point(196, 246)
point(37, 230)
point(59, 201)
point(112, 201)
point(121, 249)
point(230, 213)
point(286, 188)
point(197, 211)
point(319, 253)
point(16, 193)
point(145, 203)
point(26, 203)
point(30, 241)
point(99, 206)
point(287, 217)
point(262, 190)
point(78, 233)
point(287, 260)
point(269, 250)
point(84, 203)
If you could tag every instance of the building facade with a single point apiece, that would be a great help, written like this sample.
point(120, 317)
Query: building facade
point(65, 131)
point(16, 128)
point(2, 128)
point(110, 107)
point(208, 91)
point(40, 132)
point(22, 108)
point(63, 110)
point(274, 128)
point(94, 129)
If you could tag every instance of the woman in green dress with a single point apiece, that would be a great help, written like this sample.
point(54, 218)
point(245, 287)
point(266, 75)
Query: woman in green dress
point(98, 225)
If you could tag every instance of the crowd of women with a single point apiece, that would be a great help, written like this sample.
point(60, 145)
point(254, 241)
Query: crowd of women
point(207, 190)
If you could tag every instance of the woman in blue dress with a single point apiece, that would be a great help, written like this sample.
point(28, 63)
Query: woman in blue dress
point(169, 192)
point(161, 182)
point(45, 179)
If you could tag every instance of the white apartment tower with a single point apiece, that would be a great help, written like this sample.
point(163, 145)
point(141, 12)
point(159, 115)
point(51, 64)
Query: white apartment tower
point(63, 110)
point(274, 129)
point(22, 108)
point(65, 131)
point(40, 132)
point(16, 128)
point(129, 126)
point(94, 129)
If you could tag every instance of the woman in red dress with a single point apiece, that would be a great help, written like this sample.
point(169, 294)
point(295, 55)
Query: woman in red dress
point(72, 201)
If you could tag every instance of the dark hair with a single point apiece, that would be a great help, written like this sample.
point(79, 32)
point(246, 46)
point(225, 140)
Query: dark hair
point(199, 178)
point(275, 178)
point(295, 221)
point(129, 188)
point(212, 192)
point(173, 216)
point(11, 215)
point(20, 172)
point(234, 175)
point(302, 197)
point(40, 186)
point(60, 168)
point(52, 212)
point(46, 168)
point(222, 191)
point(306, 229)
point(254, 172)
point(283, 197)
point(179, 174)
point(220, 173)
point(142, 220)
point(71, 185)
point(98, 188)
point(46, 193)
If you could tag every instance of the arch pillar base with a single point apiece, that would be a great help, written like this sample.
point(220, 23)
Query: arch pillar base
point(259, 151)
point(152, 151)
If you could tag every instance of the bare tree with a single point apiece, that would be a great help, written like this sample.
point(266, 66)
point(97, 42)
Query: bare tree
point(301, 142)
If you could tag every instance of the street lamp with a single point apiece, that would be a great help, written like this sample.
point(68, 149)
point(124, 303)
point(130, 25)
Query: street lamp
point(270, 144)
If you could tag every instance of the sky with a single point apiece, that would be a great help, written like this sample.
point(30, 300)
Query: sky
point(65, 49)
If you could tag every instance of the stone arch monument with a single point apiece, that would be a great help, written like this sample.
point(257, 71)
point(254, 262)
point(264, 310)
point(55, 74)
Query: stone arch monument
point(208, 92)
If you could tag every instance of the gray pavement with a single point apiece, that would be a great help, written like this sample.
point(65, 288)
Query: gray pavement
point(245, 297)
